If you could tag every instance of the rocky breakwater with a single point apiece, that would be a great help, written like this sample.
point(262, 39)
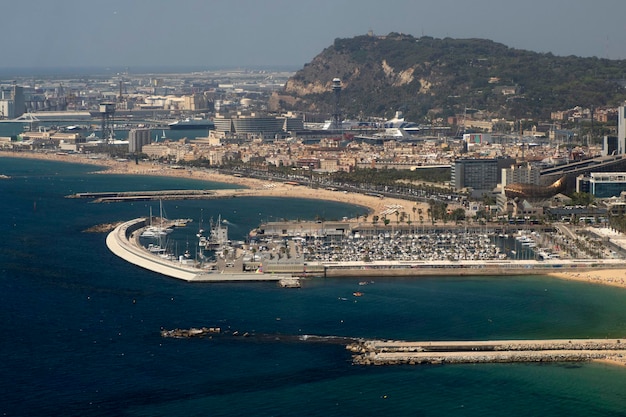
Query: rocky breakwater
point(192, 332)
point(373, 352)
point(102, 228)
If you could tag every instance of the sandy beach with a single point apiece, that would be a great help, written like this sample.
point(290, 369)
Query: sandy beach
point(255, 187)
point(612, 277)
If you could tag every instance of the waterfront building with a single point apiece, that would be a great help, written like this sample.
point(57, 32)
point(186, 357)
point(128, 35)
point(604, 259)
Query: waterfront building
point(137, 138)
point(481, 175)
point(602, 184)
point(7, 109)
point(12, 104)
point(256, 126)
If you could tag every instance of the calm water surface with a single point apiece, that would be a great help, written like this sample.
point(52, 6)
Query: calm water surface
point(80, 327)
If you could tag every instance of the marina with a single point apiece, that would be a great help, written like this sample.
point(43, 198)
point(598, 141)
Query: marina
point(123, 241)
point(283, 259)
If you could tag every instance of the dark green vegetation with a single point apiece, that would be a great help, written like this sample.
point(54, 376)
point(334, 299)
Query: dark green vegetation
point(428, 78)
point(391, 176)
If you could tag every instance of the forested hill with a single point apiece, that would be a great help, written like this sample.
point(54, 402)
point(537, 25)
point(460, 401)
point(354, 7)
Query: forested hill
point(428, 77)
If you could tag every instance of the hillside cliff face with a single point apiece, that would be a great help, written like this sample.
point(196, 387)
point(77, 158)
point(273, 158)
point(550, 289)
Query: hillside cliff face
point(427, 77)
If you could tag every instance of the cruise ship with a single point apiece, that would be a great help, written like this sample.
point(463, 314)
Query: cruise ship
point(188, 124)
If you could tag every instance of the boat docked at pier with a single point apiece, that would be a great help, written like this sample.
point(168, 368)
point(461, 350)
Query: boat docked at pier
point(218, 235)
point(156, 230)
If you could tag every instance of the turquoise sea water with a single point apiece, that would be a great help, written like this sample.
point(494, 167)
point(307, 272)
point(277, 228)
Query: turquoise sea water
point(80, 327)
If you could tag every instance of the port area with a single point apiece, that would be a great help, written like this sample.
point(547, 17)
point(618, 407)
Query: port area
point(286, 260)
point(123, 241)
point(377, 352)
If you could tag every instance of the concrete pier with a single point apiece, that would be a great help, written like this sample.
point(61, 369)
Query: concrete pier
point(376, 352)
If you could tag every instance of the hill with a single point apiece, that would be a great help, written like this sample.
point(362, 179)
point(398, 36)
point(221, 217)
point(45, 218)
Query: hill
point(427, 77)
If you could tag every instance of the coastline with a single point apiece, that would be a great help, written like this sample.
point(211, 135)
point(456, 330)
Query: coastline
point(254, 187)
point(610, 277)
point(263, 188)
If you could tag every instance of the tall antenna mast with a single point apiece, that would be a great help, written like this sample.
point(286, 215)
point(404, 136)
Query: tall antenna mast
point(337, 125)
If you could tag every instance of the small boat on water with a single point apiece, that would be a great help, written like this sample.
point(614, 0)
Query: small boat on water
point(357, 294)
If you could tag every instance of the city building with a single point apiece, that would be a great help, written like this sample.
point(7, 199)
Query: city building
point(12, 104)
point(610, 145)
point(520, 174)
point(253, 125)
point(137, 138)
point(481, 175)
point(602, 184)
point(475, 139)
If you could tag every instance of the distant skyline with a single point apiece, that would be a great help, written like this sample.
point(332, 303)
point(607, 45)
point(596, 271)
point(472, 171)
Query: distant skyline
point(280, 33)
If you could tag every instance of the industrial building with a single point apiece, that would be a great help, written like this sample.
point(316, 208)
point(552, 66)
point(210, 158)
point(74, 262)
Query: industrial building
point(12, 103)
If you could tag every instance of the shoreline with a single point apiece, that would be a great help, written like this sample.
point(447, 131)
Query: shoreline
point(608, 277)
point(263, 188)
point(254, 187)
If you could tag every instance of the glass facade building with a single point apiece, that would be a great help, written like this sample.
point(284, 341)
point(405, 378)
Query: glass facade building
point(602, 184)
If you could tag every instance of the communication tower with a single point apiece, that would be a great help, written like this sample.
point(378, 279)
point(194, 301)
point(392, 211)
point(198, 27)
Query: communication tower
point(107, 110)
point(336, 125)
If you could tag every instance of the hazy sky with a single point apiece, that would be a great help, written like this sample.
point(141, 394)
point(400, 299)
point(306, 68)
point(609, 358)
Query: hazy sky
point(246, 33)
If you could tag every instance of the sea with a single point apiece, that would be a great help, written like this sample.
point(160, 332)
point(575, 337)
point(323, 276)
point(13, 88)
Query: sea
point(80, 327)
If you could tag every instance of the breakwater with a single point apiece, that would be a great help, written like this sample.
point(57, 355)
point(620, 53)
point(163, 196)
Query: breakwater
point(215, 332)
point(385, 352)
point(123, 241)
point(115, 196)
point(376, 352)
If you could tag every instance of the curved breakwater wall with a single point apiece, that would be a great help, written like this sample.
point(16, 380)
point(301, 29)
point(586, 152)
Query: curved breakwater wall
point(123, 241)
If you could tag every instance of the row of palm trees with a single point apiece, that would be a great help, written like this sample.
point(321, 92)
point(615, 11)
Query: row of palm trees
point(437, 210)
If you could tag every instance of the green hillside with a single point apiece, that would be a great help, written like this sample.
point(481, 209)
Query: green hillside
point(426, 78)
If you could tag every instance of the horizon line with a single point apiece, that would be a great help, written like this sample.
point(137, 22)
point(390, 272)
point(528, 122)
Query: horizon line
point(137, 69)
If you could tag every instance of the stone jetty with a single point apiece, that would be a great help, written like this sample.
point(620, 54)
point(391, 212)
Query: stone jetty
point(192, 332)
point(376, 352)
